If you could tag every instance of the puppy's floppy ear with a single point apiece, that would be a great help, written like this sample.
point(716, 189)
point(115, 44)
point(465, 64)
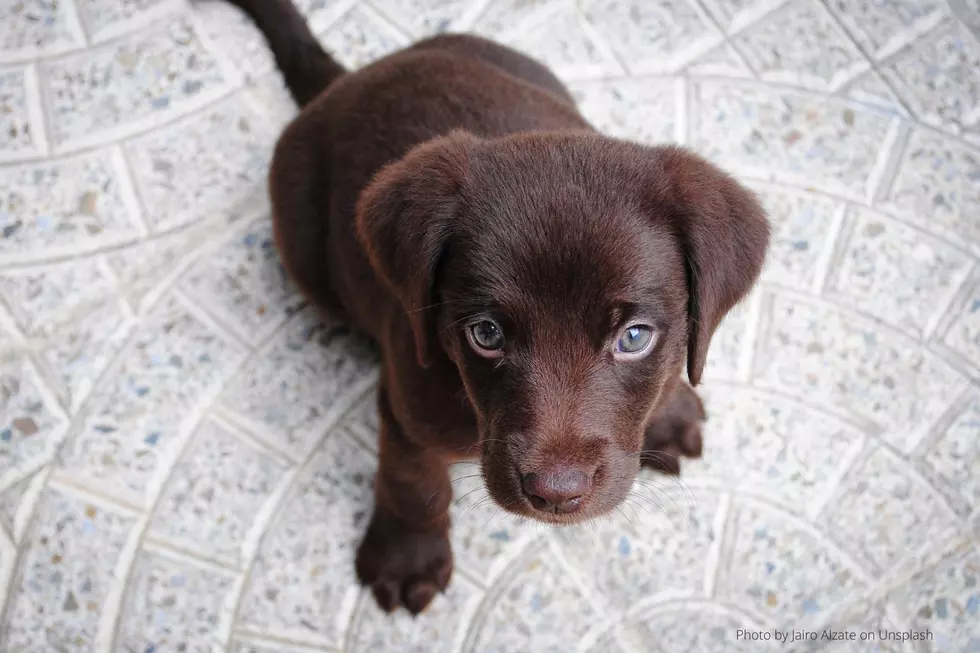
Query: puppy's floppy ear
point(404, 218)
point(724, 232)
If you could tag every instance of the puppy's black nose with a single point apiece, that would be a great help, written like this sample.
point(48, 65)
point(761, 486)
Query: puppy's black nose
point(559, 490)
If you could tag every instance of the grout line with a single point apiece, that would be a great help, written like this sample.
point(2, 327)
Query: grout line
point(847, 462)
point(948, 303)
point(36, 115)
point(750, 335)
point(886, 168)
point(827, 264)
point(75, 24)
point(712, 563)
point(204, 316)
point(62, 481)
point(126, 179)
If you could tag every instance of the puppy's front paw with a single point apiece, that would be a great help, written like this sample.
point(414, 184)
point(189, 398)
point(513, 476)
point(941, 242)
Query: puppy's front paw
point(403, 566)
point(675, 432)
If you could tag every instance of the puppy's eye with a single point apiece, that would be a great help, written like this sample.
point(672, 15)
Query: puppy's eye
point(486, 338)
point(635, 340)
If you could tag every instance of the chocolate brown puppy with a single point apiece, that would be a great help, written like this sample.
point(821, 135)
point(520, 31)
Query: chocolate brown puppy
point(535, 288)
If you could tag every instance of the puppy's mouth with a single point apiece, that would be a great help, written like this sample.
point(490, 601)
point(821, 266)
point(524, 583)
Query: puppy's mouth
point(556, 493)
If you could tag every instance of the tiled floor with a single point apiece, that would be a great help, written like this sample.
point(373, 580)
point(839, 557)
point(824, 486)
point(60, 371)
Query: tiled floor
point(185, 456)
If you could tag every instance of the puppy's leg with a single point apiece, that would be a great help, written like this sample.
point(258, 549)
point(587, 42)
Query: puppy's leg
point(405, 557)
point(675, 431)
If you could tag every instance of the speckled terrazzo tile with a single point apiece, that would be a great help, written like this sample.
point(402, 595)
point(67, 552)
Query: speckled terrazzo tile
point(269, 92)
point(884, 27)
point(535, 606)
point(938, 186)
point(775, 448)
point(422, 18)
point(75, 310)
point(657, 543)
point(963, 334)
point(296, 387)
point(161, 586)
point(701, 628)
point(803, 226)
point(31, 423)
point(945, 600)
point(105, 18)
point(852, 364)
point(505, 16)
point(171, 368)
point(780, 570)
point(967, 11)
point(439, 629)
point(870, 90)
point(218, 487)
point(652, 37)
point(201, 166)
point(157, 72)
point(639, 109)
point(898, 510)
point(361, 37)
point(764, 133)
point(560, 40)
point(800, 44)
point(243, 283)
point(29, 28)
point(18, 138)
point(484, 537)
point(62, 206)
point(734, 15)
point(722, 61)
point(895, 272)
point(727, 349)
point(955, 453)
point(11, 499)
point(937, 78)
point(65, 575)
point(234, 34)
point(302, 584)
point(240, 645)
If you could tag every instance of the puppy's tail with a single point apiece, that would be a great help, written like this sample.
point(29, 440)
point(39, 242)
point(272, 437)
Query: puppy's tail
point(306, 66)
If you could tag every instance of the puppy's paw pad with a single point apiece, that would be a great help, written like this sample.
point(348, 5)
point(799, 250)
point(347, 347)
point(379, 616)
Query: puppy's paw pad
point(404, 568)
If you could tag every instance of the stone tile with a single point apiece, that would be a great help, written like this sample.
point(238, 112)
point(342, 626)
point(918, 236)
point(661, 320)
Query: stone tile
point(302, 584)
point(295, 389)
point(423, 18)
point(61, 206)
point(657, 542)
point(29, 28)
point(945, 600)
point(642, 110)
point(775, 448)
point(218, 487)
point(727, 344)
point(701, 629)
point(158, 72)
point(74, 309)
point(938, 186)
point(802, 229)
point(170, 369)
point(560, 40)
point(436, 631)
point(869, 90)
point(201, 166)
point(67, 570)
point(722, 61)
point(734, 15)
point(955, 454)
point(651, 37)
point(17, 135)
point(508, 16)
point(767, 133)
point(148, 267)
point(269, 92)
point(968, 12)
point(937, 78)
point(270, 647)
point(484, 537)
point(243, 282)
point(781, 571)
point(31, 424)
point(800, 44)
point(362, 37)
point(11, 499)
point(963, 335)
point(899, 511)
point(895, 272)
point(233, 33)
point(535, 607)
point(103, 18)
point(884, 27)
point(854, 365)
point(161, 587)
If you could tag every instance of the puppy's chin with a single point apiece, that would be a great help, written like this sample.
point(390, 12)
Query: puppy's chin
point(611, 485)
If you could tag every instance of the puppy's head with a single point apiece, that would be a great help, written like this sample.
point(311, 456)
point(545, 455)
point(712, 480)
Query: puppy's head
point(568, 277)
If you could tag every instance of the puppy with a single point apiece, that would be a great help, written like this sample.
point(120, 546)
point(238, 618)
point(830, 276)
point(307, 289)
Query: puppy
point(535, 288)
